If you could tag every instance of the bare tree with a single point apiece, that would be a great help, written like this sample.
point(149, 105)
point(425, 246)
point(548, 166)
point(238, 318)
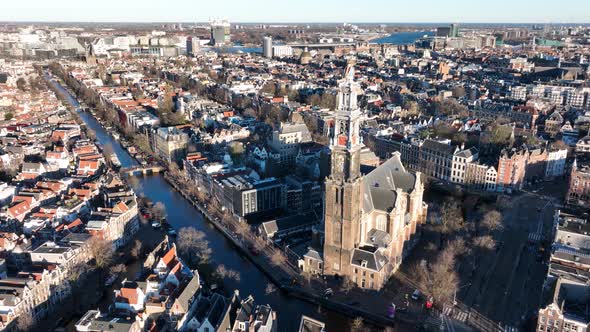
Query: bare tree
point(174, 170)
point(347, 285)
point(211, 208)
point(278, 258)
point(492, 221)
point(101, 251)
point(137, 248)
point(159, 211)
point(242, 228)
point(439, 279)
point(142, 142)
point(485, 242)
point(201, 195)
point(90, 134)
point(270, 288)
point(559, 145)
point(457, 247)
point(108, 150)
point(357, 325)
point(25, 322)
point(193, 246)
point(21, 84)
point(451, 217)
point(77, 272)
point(224, 272)
point(226, 216)
point(259, 244)
point(119, 268)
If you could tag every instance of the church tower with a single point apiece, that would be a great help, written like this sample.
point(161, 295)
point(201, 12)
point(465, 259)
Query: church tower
point(343, 186)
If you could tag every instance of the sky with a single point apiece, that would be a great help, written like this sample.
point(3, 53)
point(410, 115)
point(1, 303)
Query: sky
point(350, 11)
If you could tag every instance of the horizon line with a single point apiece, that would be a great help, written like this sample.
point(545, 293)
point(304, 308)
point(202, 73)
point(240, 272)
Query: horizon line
point(292, 22)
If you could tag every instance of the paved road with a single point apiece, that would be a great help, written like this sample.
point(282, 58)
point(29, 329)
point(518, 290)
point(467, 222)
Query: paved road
point(507, 283)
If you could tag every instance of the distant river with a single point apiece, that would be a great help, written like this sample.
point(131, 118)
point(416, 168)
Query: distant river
point(403, 38)
point(235, 49)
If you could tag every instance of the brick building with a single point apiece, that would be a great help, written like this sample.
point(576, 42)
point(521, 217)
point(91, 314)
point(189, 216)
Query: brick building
point(511, 169)
point(370, 219)
point(579, 187)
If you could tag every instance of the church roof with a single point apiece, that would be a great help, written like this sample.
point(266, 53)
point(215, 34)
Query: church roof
point(382, 199)
point(381, 184)
point(373, 258)
point(378, 238)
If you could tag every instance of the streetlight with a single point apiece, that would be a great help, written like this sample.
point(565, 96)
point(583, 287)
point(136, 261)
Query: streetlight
point(455, 294)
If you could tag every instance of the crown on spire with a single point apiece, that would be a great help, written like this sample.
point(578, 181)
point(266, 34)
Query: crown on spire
point(349, 74)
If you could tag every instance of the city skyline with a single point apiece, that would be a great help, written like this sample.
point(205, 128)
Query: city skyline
point(305, 11)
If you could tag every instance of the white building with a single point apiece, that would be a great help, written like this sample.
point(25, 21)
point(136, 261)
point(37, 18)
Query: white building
point(6, 193)
point(583, 145)
point(555, 163)
point(170, 143)
point(281, 51)
point(460, 160)
point(285, 141)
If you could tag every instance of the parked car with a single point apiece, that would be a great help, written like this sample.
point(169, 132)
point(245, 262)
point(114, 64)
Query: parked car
point(416, 295)
point(111, 279)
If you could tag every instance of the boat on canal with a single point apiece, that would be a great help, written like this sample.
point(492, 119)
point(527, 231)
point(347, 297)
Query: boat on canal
point(115, 162)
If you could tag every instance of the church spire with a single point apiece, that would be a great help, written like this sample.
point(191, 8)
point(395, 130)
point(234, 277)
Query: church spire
point(345, 141)
point(347, 130)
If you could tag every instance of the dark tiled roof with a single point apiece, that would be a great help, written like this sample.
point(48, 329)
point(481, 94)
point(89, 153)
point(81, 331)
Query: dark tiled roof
point(382, 198)
point(378, 238)
point(375, 260)
point(438, 146)
point(190, 291)
point(381, 184)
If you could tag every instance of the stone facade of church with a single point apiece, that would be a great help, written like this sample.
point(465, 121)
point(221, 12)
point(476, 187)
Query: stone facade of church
point(370, 219)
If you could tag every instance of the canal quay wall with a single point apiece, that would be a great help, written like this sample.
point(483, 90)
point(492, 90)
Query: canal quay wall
point(271, 272)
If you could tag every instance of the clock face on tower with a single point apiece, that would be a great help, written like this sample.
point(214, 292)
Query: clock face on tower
point(343, 129)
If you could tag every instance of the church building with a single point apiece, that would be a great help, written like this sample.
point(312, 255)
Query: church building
point(370, 219)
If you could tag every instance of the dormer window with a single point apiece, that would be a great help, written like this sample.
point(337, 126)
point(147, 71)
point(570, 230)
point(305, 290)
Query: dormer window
point(363, 263)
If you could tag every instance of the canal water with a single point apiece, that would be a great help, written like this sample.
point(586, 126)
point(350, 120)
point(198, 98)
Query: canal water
point(182, 214)
point(402, 38)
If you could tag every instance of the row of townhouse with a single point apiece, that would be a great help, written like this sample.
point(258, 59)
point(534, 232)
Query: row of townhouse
point(60, 257)
point(40, 286)
point(441, 160)
point(559, 95)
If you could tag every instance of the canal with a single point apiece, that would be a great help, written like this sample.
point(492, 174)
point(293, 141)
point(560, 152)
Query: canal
point(182, 214)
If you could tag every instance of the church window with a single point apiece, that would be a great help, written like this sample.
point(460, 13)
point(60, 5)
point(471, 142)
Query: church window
point(337, 233)
point(382, 223)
